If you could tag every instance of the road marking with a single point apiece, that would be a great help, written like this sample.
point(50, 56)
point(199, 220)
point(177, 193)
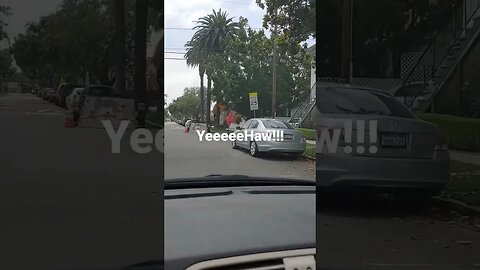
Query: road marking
point(46, 112)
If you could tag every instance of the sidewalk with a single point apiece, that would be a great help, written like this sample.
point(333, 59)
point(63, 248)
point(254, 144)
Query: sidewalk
point(465, 157)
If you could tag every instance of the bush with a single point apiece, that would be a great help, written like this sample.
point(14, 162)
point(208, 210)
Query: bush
point(310, 134)
point(461, 133)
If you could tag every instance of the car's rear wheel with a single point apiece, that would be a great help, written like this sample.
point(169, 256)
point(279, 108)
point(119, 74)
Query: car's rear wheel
point(253, 149)
point(234, 144)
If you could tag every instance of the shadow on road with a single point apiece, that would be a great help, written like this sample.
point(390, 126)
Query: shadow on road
point(276, 156)
point(385, 207)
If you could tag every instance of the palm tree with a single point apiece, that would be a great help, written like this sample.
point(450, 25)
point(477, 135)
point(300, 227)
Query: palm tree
point(212, 33)
point(195, 57)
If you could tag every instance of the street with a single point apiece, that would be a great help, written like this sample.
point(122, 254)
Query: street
point(186, 156)
point(66, 201)
point(364, 234)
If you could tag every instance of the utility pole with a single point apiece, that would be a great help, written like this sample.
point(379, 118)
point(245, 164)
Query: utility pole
point(347, 15)
point(141, 61)
point(274, 67)
point(119, 44)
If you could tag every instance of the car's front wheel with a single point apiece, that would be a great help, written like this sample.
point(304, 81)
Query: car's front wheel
point(253, 149)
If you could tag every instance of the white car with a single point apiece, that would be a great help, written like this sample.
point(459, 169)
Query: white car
point(73, 100)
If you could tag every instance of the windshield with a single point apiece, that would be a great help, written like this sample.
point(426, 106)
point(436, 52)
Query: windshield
point(147, 132)
point(354, 101)
point(237, 100)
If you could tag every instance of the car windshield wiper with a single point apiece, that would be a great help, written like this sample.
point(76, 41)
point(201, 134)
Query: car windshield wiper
point(233, 181)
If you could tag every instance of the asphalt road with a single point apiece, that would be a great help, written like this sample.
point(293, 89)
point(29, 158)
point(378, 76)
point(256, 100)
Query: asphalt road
point(383, 234)
point(67, 202)
point(186, 156)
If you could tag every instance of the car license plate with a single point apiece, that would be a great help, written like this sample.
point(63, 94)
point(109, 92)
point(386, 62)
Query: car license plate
point(288, 137)
point(393, 140)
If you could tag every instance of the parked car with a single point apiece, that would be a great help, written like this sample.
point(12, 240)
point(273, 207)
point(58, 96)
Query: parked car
point(63, 90)
point(43, 92)
point(74, 98)
point(265, 223)
point(50, 94)
point(98, 91)
point(381, 144)
point(293, 142)
point(39, 91)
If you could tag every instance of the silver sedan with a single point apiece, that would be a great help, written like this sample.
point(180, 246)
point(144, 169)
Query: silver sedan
point(367, 139)
point(269, 135)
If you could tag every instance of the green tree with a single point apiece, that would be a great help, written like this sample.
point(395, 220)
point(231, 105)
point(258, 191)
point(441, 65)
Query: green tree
point(186, 105)
point(6, 68)
point(196, 57)
point(68, 43)
point(245, 66)
point(295, 18)
point(5, 11)
point(212, 33)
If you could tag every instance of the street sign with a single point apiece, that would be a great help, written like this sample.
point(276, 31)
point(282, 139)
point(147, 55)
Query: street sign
point(253, 101)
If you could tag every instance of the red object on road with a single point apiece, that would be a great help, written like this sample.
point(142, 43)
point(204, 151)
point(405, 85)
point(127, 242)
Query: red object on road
point(230, 118)
point(187, 130)
point(69, 121)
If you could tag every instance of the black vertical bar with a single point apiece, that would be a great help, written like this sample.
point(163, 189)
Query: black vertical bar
point(141, 60)
point(347, 13)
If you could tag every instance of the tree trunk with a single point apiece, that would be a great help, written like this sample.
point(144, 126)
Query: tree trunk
point(202, 99)
point(141, 102)
point(209, 88)
point(119, 44)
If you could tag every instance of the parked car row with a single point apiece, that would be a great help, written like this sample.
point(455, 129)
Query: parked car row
point(69, 96)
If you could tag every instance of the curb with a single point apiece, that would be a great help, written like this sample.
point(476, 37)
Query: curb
point(459, 206)
point(308, 157)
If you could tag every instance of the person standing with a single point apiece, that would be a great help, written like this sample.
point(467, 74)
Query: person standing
point(188, 124)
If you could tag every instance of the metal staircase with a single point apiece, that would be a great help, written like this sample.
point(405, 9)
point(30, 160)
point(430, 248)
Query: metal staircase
point(303, 109)
point(444, 53)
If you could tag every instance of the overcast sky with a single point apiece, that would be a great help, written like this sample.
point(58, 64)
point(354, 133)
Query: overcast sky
point(180, 17)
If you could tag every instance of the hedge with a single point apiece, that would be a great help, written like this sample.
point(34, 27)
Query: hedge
point(461, 133)
point(310, 134)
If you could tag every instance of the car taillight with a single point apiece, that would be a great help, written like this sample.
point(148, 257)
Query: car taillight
point(441, 143)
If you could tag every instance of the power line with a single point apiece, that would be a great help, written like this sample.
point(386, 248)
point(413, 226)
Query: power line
point(191, 29)
point(237, 3)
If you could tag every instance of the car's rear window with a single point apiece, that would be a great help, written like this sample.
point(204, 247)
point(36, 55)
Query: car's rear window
point(354, 101)
point(276, 124)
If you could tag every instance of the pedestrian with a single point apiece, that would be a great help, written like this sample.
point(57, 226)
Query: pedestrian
point(187, 126)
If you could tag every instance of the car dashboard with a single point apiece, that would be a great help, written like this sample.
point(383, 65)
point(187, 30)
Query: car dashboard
point(247, 227)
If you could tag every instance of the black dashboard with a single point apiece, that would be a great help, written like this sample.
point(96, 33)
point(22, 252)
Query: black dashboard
point(210, 223)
